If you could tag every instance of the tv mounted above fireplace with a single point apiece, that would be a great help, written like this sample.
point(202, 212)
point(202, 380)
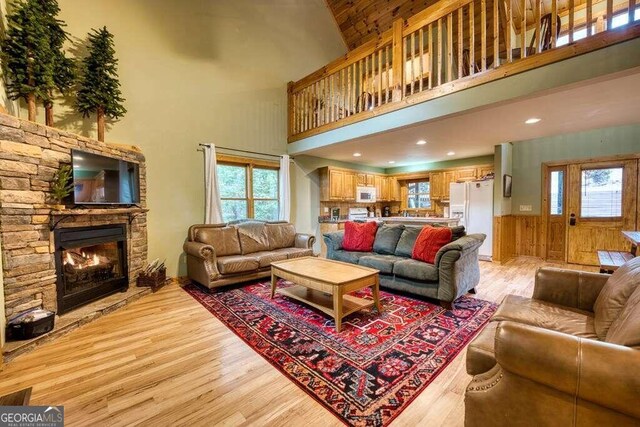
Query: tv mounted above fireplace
point(102, 180)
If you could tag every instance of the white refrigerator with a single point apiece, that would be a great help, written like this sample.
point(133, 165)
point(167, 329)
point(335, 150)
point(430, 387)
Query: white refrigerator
point(472, 203)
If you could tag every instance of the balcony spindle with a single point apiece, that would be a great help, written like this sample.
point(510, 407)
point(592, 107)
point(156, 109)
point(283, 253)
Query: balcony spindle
point(472, 39)
point(460, 43)
point(379, 77)
point(523, 29)
point(439, 43)
point(496, 33)
point(554, 24)
point(589, 17)
point(413, 59)
point(422, 56)
point(507, 30)
point(387, 73)
point(610, 14)
point(430, 57)
point(483, 35)
point(632, 11)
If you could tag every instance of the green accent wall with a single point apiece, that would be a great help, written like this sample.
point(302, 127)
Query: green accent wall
point(198, 72)
point(528, 157)
point(446, 164)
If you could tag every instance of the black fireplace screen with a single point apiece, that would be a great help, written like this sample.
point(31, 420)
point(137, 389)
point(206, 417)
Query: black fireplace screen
point(91, 263)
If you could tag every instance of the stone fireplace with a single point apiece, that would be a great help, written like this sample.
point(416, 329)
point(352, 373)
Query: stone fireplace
point(54, 258)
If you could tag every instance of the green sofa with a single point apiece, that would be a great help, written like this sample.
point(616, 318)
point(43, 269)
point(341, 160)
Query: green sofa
point(456, 270)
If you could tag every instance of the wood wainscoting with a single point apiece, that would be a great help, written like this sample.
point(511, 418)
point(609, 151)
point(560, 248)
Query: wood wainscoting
point(517, 235)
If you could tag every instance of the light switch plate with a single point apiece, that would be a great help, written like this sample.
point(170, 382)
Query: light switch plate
point(326, 209)
point(525, 208)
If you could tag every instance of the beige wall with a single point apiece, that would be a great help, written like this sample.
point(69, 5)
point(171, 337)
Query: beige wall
point(201, 71)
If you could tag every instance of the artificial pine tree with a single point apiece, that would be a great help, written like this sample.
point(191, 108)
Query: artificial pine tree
point(99, 90)
point(26, 55)
point(63, 67)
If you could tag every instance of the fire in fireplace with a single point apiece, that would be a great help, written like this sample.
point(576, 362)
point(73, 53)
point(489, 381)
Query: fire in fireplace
point(91, 263)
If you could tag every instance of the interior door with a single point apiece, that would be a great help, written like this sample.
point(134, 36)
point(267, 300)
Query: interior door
point(602, 202)
point(556, 207)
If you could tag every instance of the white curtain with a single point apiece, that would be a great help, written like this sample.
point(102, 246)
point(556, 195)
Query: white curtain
point(285, 189)
point(212, 204)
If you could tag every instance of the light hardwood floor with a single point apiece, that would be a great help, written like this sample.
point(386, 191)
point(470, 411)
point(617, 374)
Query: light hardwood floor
point(165, 360)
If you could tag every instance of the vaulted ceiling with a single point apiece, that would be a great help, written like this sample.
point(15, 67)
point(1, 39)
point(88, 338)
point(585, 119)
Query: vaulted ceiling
point(362, 20)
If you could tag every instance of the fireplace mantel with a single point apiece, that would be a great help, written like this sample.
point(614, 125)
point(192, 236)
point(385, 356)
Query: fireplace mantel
point(59, 216)
point(105, 211)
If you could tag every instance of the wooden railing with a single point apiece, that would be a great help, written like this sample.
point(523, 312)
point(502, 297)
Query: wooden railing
point(451, 46)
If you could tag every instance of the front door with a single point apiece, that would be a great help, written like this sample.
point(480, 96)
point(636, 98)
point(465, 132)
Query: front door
point(601, 203)
point(556, 206)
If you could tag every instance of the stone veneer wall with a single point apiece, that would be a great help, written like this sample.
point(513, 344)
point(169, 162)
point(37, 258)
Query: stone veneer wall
point(29, 155)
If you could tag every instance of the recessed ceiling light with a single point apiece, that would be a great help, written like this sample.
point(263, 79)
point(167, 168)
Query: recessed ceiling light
point(421, 142)
point(357, 154)
point(532, 121)
point(391, 162)
point(451, 153)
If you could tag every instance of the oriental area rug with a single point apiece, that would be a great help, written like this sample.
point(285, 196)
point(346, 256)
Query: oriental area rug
point(369, 372)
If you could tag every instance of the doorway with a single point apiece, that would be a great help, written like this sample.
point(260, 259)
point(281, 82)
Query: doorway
point(586, 206)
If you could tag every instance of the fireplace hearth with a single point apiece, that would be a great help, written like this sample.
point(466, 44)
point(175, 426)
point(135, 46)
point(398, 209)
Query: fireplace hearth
point(91, 263)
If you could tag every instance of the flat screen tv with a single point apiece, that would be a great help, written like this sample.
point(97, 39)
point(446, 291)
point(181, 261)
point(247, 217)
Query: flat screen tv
point(102, 180)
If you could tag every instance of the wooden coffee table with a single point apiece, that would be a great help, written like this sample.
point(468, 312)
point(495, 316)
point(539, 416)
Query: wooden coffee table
point(324, 284)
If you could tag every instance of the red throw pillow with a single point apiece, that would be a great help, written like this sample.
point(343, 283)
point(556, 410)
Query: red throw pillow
point(359, 236)
point(429, 242)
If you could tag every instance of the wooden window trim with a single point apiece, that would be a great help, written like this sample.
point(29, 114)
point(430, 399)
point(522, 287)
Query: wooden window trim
point(417, 181)
point(249, 165)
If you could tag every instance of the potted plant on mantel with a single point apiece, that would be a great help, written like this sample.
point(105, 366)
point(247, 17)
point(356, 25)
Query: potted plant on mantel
point(61, 186)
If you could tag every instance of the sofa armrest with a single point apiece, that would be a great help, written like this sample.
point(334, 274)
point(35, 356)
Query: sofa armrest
point(334, 240)
point(595, 371)
point(575, 289)
point(199, 250)
point(467, 243)
point(458, 267)
point(304, 241)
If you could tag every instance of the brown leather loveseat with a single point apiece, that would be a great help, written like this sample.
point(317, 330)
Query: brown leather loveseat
point(569, 356)
point(222, 254)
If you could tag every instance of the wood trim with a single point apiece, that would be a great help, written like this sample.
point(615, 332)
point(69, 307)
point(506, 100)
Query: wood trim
point(245, 161)
point(580, 47)
point(344, 61)
point(603, 159)
point(431, 14)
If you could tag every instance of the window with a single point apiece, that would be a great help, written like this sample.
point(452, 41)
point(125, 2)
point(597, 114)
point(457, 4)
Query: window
point(556, 193)
point(418, 195)
point(248, 190)
point(601, 193)
point(265, 194)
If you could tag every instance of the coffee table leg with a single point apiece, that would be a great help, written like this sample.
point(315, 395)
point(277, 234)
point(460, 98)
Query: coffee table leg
point(376, 294)
point(337, 308)
point(274, 282)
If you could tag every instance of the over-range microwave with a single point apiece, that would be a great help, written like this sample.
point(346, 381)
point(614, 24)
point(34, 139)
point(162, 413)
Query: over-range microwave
point(365, 194)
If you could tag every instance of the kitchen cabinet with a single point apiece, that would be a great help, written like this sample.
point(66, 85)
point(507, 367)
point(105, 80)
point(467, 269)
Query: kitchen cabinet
point(484, 171)
point(394, 189)
point(467, 174)
point(337, 184)
point(447, 178)
point(349, 186)
point(365, 179)
point(382, 188)
point(436, 185)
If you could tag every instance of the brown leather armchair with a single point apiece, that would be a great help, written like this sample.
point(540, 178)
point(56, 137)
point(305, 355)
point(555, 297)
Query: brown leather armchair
point(569, 356)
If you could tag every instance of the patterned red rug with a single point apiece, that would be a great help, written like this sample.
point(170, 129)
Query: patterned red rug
point(374, 368)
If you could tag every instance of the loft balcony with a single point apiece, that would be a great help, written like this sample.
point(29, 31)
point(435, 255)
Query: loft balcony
point(449, 47)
